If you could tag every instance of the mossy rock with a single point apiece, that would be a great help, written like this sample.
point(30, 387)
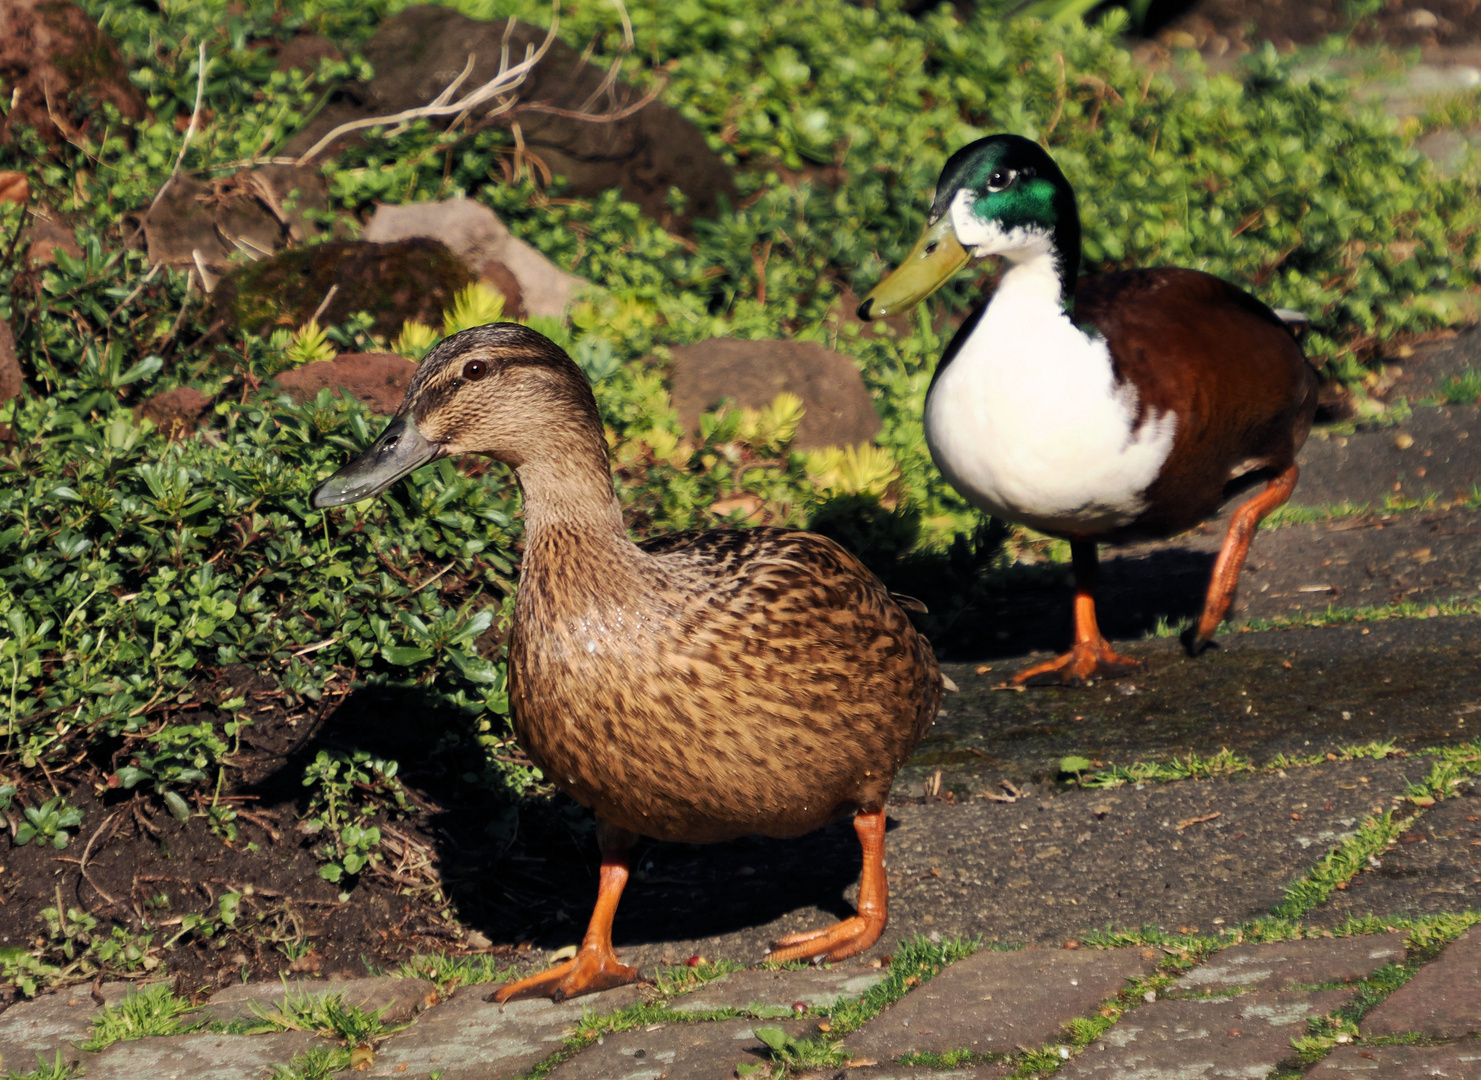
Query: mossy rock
point(395, 283)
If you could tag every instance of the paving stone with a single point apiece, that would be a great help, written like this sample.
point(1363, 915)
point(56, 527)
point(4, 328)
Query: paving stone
point(400, 998)
point(1283, 965)
point(204, 1056)
point(906, 1072)
point(1434, 868)
point(1459, 1061)
point(1442, 1001)
point(773, 993)
point(50, 1023)
point(697, 1051)
point(1193, 1038)
point(1051, 866)
point(468, 1038)
point(992, 1001)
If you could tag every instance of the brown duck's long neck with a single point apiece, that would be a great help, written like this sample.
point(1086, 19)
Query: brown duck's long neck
point(573, 523)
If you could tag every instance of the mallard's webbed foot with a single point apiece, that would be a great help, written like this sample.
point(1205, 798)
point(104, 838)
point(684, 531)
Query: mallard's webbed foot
point(1086, 662)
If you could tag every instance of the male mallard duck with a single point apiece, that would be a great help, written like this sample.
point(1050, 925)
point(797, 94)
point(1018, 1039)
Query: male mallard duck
point(698, 687)
point(1121, 407)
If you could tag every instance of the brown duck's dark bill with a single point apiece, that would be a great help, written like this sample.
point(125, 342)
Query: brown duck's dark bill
point(400, 450)
point(937, 255)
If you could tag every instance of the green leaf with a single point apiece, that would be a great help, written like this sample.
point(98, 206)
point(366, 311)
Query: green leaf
point(176, 805)
point(773, 1037)
point(1074, 764)
point(403, 656)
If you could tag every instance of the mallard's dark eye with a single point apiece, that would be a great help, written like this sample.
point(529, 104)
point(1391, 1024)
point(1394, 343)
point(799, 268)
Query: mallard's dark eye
point(1000, 179)
point(474, 370)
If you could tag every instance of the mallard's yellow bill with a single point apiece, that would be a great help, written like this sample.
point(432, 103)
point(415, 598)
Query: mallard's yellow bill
point(936, 256)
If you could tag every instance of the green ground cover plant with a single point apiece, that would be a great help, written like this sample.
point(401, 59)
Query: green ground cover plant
point(139, 565)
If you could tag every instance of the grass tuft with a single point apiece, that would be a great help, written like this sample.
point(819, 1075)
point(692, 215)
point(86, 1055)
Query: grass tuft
point(154, 1010)
point(57, 1070)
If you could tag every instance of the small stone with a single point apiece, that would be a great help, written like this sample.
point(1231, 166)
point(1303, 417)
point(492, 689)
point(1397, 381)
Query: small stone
point(470, 1039)
point(529, 282)
point(1285, 964)
point(203, 1056)
point(1203, 1037)
point(839, 410)
point(51, 1023)
point(1421, 19)
point(400, 998)
point(44, 237)
point(378, 379)
point(778, 993)
point(14, 187)
point(992, 1002)
point(57, 63)
point(1459, 1061)
point(688, 1051)
point(1442, 1001)
point(12, 379)
point(394, 283)
point(1403, 441)
point(175, 412)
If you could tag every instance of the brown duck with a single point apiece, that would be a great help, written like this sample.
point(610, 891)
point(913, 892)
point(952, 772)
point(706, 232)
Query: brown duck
point(1127, 406)
point(698, 687)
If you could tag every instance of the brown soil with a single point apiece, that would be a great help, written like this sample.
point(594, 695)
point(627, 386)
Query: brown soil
point(1220, 26)
point(461, 858)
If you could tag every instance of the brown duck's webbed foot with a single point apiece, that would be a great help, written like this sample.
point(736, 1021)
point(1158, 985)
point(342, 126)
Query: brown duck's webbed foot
point(1242, 527)
point(590, 970)
point(1092, 656)
point(852, 935)
point(595, 967)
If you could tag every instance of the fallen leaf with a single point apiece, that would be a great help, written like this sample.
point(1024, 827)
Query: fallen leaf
point(1200, 820)
point(14, 187)
point(749, 506)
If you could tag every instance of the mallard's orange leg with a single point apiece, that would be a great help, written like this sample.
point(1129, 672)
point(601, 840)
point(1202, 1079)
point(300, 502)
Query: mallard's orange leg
point(858, 933)
point(1091, 656)
point(595, 967)
point(1231, 558)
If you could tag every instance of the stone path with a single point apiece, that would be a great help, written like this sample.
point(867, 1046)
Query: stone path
point(1353, 1005)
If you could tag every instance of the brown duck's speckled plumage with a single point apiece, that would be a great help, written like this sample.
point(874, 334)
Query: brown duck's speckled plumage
point(698, 687)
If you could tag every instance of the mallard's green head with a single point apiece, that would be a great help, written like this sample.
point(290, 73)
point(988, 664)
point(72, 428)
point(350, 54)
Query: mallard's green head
point(1002, 195)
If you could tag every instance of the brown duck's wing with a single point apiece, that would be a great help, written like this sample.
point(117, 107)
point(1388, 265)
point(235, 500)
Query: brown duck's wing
point(1221, 362)
point(813, 674)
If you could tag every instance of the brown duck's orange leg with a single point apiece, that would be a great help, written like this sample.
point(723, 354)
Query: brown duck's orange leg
point(1091, 656)
point(1231, 558)
point(856, 934)
point(595, 966)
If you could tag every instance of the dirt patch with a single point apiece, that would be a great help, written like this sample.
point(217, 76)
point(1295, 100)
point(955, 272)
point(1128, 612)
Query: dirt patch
point(58, 68)
point(1221, 26)
point(461, 856)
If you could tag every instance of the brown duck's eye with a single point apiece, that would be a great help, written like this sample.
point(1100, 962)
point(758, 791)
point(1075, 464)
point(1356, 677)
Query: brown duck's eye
point(474, 370)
